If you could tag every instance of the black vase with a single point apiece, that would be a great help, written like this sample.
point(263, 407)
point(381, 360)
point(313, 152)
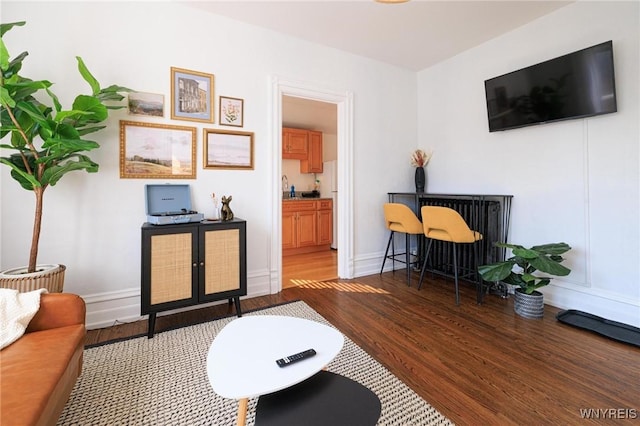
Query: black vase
point(420, 179)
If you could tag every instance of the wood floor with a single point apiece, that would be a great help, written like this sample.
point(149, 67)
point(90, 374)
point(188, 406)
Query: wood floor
point(302, 268)
point(478, 365)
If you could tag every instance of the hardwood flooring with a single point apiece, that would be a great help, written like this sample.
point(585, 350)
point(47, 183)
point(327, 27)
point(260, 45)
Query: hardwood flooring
point(303, 268)
point(477, 364)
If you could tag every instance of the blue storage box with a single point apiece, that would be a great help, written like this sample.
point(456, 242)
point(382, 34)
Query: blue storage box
point(170, 204)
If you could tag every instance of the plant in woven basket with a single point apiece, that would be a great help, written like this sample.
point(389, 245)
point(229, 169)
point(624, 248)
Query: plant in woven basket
point(47, 141)
point(544, 258)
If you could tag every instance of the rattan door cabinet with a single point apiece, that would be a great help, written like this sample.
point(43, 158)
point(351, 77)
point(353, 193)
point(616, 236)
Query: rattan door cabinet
point(189, 264)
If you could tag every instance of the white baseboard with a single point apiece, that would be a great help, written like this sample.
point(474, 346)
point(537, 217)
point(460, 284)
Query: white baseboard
point(370, 264)
point(565, 296)
point(107, 309)
point(609, 306)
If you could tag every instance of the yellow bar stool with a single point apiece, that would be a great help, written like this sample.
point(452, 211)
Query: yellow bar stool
point(400, 218)
point(445, 224)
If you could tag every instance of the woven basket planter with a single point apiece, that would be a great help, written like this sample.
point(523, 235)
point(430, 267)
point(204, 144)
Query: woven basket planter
point(528, 305)
point(50, 277)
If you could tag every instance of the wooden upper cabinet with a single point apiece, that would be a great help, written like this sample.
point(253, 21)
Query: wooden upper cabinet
point(303, 145)
point(295, 143)
point(313, 162)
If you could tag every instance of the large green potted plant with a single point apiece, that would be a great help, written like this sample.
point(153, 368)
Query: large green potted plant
point(45, 143)
point(519, 270)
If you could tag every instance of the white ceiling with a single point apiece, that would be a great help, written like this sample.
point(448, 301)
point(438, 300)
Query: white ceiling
point(307, 114)
point(412, 35)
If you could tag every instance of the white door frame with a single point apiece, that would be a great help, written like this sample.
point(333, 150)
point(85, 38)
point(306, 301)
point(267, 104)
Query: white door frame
point(344, 104)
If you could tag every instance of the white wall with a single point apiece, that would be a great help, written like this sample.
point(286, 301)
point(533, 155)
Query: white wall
point(92, 222)
point(574, 181)
point(302, 181)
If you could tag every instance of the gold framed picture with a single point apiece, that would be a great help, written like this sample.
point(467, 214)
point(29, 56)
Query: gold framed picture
point(150, 104)
point(226, 149)
point(157, 151)
point(191, 95)
point(231, 111)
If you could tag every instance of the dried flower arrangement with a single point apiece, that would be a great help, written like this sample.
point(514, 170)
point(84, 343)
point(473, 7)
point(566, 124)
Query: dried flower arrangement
point(420, 158)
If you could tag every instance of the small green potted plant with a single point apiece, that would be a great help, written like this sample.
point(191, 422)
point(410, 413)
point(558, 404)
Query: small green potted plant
point(545, 258)
point(46, 142)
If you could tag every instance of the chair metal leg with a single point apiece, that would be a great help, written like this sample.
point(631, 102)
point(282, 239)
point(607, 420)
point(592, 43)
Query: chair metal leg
point(407, 251)
point(455, 272)
point(424, 263)
point(393, 254)
point(386, 252)
point(478, 279)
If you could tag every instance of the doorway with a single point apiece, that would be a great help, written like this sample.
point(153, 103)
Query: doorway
point(343, 102)
point(321, 263)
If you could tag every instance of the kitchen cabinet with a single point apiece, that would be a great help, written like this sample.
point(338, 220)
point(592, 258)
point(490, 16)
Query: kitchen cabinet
point(313, 163)
point(189, 264)
point(295, 144)
point(306, 226)
point(299, 224)
point(303, 145)
point(325, 222)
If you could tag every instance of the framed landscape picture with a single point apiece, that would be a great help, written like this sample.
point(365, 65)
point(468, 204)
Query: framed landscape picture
point(157, 151)
point(191, 95)
point(150, 104)
point(225, 149)
point(231, 111)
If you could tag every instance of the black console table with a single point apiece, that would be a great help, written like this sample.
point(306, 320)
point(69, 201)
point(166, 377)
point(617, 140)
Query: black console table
point(487, 214)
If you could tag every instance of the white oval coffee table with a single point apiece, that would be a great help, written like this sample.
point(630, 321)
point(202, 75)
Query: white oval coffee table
point(241, 362)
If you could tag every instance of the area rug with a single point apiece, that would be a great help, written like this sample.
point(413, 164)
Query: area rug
point(163, 381)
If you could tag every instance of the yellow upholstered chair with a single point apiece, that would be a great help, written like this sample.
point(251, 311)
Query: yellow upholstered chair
point(400, 218)
point(445, 224)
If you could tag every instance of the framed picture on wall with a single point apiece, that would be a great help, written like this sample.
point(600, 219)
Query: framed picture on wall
point(157, 151)
point(231, 111)
point(150, 104)
point(191, 95)
point(226, 149)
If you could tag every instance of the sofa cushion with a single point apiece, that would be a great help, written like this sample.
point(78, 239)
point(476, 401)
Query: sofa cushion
point(42, 367)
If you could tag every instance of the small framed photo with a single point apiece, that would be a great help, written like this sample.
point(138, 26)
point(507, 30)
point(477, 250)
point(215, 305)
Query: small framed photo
point(226, 149)
point(157, 151)
point(150, 104)
point(231, 111)
point(191, 95)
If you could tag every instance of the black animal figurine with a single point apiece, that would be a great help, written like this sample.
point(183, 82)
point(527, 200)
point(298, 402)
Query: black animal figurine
point(226, 213)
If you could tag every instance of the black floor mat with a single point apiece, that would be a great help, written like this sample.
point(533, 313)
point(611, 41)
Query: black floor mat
point(614, 330)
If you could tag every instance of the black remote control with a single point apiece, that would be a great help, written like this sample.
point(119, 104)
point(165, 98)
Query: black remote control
point(288, 360)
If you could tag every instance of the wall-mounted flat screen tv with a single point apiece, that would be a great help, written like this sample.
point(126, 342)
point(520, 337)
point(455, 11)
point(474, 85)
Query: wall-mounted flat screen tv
point(580, 84)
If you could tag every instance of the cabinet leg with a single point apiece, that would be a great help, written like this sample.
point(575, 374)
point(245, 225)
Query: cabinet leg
point(237, 302)
point(152, 325)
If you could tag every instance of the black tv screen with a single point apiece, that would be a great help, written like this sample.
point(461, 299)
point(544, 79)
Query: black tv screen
point(580, 84)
